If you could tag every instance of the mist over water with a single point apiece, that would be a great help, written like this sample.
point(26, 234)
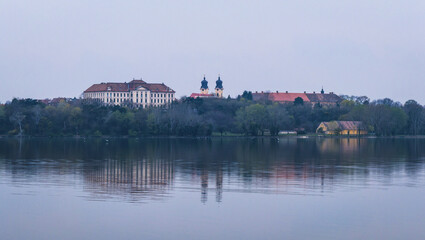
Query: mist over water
point(260, 188)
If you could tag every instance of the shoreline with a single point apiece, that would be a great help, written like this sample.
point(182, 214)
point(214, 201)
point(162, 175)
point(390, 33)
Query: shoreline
point(215, 137)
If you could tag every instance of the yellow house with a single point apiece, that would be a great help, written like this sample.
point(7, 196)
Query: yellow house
point(342, 128)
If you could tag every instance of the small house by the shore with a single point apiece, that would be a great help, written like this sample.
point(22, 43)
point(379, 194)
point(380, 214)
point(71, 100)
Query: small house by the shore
point(342, 128)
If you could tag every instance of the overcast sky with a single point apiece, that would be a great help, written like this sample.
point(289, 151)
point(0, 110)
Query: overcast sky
point(51, 48)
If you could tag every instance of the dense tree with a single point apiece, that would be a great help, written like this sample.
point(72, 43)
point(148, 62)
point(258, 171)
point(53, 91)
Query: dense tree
point(415, 113)
point(252, 119)
point(299, 101)
point(278, 119)
point(247, 95)
point(202, 117)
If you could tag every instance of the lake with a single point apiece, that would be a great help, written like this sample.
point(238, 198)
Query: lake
point(230, 188)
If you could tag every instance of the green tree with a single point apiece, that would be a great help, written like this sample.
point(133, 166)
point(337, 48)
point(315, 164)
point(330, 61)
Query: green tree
point(299, 101)
point(415, 113)
point(252, 119)
point(278, 119)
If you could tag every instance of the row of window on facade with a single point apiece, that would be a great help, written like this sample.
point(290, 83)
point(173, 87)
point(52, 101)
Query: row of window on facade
point(117, 100)
point(131, 95)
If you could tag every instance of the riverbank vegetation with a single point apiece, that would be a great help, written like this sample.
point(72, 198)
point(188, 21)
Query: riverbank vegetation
point(205, 117)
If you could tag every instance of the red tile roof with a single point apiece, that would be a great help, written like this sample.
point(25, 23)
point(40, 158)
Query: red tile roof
point(279, 97)
point(126, 87)
point(290, 97)
point(287, 97)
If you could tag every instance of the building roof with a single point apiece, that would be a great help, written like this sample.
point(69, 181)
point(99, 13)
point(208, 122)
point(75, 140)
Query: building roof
point(126, 87)
point(287, 97)
point(204, 84)
point(290, 97)
point(324, 97)
point(279, 97)
point(343, 125)
point(219, 83)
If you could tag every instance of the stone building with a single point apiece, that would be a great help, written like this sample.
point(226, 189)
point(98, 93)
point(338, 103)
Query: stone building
point(136, 92)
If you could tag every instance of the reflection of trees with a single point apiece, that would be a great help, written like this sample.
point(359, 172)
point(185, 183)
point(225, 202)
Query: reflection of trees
point(137, 169)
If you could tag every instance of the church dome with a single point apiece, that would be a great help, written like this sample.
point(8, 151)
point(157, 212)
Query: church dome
point(219, 83)
point(204, 84)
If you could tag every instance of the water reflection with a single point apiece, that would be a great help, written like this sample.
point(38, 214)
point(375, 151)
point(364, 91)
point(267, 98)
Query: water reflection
point(132, 179)
point(142, 170)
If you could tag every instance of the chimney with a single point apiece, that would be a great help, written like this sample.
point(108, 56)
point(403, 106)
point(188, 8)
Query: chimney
point(277, 91)
point(286, 91)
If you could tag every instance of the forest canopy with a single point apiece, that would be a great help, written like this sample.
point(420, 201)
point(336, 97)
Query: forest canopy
point(205, 117)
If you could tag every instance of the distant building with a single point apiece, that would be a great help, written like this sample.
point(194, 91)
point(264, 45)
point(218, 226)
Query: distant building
point(202, 95)
point(285, 97)
point(136, 92)
point(205, 91)
point(55, 101)
point(342, 128)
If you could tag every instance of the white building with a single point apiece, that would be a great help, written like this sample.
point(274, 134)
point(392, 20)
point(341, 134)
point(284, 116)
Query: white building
point(136, 92)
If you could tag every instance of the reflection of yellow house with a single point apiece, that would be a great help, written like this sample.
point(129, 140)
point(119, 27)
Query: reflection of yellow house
point(342, 128)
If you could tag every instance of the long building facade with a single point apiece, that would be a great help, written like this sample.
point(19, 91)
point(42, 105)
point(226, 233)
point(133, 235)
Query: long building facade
point(326, 99)
point(137, 93)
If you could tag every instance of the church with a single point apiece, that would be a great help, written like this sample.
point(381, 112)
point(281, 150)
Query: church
point(204, 93)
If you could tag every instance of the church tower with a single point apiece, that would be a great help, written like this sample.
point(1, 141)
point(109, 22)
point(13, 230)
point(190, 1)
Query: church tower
point(219, 88)
point(204, 86)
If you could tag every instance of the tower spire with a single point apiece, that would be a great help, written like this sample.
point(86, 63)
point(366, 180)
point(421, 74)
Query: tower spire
point(219, 87)
point(204, 86)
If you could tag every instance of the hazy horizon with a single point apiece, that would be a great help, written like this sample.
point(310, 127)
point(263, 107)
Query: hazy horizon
point(60, 48)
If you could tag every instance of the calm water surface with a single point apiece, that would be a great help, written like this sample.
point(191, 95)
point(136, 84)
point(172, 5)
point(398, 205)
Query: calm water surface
point(291, 188)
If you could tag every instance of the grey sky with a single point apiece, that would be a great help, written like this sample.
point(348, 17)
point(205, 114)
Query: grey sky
point(52, 48)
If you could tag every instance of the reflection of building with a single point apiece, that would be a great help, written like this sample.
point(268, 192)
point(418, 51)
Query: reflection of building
point(205, 90)
point(205, 177)
point(342, 128)
point(136, 92)
point(285, 97)
point(132, 178)
point(344, 146)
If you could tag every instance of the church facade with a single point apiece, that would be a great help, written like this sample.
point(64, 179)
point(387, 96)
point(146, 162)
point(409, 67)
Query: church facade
point(204, 90)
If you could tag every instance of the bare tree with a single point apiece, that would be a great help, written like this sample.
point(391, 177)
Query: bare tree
point(37, 114)
point(17, 117)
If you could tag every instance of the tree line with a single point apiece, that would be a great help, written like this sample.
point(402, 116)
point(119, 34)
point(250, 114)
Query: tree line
point(205, 117)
